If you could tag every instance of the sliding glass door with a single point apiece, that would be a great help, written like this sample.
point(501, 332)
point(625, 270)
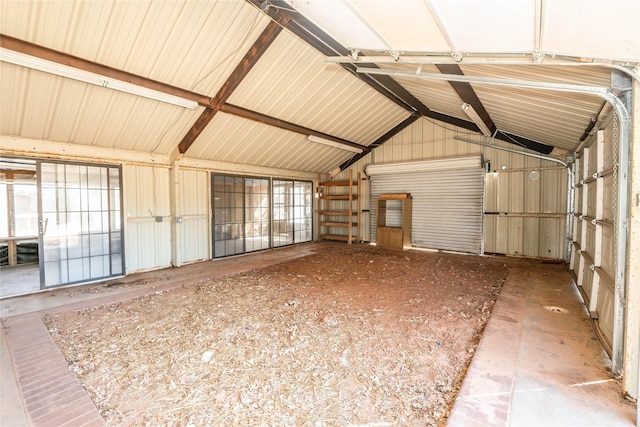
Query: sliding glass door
point(292, 216)
point(80, 225)
point(241, 215)
point(252, 214)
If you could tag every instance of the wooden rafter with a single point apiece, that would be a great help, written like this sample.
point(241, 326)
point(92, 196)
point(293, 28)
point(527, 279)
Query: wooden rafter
point(252, 56)
point(282, 124)
point(42, 52)
point(381, 140)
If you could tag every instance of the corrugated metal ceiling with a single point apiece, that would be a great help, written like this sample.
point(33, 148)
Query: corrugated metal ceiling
point(196, 46)
point(293, 83)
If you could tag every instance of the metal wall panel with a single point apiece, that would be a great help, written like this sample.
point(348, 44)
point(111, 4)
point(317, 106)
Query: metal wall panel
point(193, 232)
point(447, 206)
point(605, 304)
point(541, 204)
point(146, 192)
point(232, 139)
point(595, 224)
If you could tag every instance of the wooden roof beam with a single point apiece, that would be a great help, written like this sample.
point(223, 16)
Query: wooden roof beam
point(62, 58)
point(252, 56)
point(282, 124)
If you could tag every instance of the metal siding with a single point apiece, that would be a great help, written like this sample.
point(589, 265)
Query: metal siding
point(192, 45)
point(146, 195)
point(606, 301)
point(193, 233)
point(596, 285)
point(101, 117)
point(232, 139)
point(293, 83)
point(438, 95)
point(426, 139)
point(505, 191)
point(447, 206)
point(555, 118)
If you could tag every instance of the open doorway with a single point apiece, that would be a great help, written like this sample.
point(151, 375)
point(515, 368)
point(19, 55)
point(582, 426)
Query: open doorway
point(60, 224)
point(19, 260)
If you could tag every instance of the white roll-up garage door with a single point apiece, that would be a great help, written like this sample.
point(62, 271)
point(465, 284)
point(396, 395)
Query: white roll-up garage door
point(447, 200)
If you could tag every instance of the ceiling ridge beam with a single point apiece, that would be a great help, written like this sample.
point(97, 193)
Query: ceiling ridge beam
point(252, 56)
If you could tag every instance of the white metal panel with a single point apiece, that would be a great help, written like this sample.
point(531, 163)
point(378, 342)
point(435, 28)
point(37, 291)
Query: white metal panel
point(595, 28)
point(605, 305)
point(512, 28)
point(551, 118)
point(341, 21)
point(232, 139)
point(146, 197)
point(608, 251)
point(193, 232)
point(437, 95)
point(425, 139)
point(447, 201)
point(293, 83)
point(85, 114)
point(193, 45)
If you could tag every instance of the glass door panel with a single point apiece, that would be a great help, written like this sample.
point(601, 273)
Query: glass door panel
point(228, 215)
point(292, 212)
point(257, 214)
point(80, 223)
point(302, 217)
point(283, 213)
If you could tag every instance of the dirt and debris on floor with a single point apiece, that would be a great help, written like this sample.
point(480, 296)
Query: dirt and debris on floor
point(351, 335)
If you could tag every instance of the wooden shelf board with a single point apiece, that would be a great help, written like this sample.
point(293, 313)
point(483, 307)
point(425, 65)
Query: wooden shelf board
point(337, 237)
point(337, 213)
point(337, 224)
point(337, 183)
point(336, 197)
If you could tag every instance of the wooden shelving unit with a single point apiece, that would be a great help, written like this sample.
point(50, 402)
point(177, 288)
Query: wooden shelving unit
point(339, 209)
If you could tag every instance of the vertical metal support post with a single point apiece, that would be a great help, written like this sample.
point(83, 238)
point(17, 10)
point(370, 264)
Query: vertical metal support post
point(176, 198)
point(621, 315)
point(570, 210)
point(631, 376)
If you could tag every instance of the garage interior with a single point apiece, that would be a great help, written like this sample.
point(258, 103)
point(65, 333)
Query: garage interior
point(140, 138)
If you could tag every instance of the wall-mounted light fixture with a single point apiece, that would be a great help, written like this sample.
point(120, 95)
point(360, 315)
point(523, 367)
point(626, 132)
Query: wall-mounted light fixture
point(473, 115)
point(334, 144)
point(35, 63)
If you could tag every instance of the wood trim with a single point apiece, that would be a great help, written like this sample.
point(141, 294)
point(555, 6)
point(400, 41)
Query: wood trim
point(196, 129)
point(250, 59)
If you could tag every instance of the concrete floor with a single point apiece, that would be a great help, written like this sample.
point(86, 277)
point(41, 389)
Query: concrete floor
point(19, 280)
point(534, 367)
